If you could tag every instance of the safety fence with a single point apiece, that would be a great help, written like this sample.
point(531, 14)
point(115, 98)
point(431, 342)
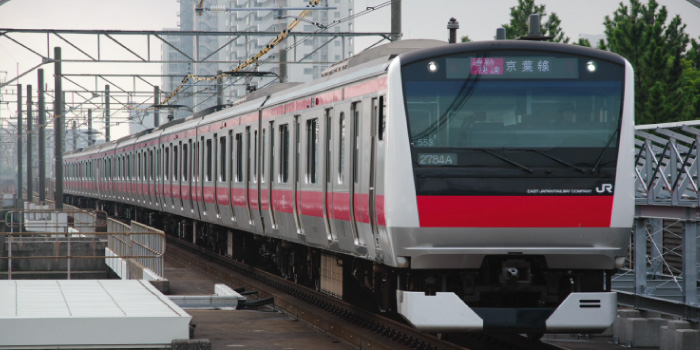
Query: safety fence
point(143, 244)
point(128, 247)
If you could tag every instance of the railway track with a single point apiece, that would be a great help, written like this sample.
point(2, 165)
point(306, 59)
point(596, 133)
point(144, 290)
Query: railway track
point(344, 321)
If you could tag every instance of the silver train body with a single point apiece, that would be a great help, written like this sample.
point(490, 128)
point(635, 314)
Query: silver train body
point(443, 165)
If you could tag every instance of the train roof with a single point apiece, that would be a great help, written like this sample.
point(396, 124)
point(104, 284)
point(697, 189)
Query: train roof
point(169, 124)
point(495, 45)
point(366, 64)
point(267, 91)
point(386, 51)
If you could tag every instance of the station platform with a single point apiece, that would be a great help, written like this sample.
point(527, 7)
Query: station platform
point(88, 313)
point(265, 328)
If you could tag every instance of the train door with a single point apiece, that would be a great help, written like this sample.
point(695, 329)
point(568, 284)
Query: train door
point(271, 172)
point(373, 165)
point(201, 178)
point(167, 184)
point(327, 178)
point(167, 174)
point(214, 169)
point(142, 177)
point(184, 178)
point(240, 192)
point(232, 140)
point(98, 179)
point(130, 172)
point(115, 173)
point(338, 181)
point(221, 190)
point(134, 178)
point(247, 178)
point(266, 174)
point(194, 187)
point(123, 181)
point(354, 178)
point(175, 166)
point(156, 177)
point(126, 177)
point(297, 174)
point(282, 169)
point(110, 176)
point(148, 178)
point(255, 159)
point(311, 191)
point(139, 177)
point(152, 177)
point(121, 184)
point(129, 191)
point(206, 200)
point(188, 166)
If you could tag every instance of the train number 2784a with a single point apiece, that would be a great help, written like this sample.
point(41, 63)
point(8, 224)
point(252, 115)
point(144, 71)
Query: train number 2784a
point(437, 159)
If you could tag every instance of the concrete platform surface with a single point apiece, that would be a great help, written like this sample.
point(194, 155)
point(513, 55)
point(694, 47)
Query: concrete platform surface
point(243, 329)
point(259, 330)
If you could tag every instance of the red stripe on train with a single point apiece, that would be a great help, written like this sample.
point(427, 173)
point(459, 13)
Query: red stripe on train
point(515, 211)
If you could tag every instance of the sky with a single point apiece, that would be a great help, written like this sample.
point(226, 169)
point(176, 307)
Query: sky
point(421, 19)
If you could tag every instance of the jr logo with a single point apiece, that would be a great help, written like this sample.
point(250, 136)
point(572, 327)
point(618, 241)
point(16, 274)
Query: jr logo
point(604, 188)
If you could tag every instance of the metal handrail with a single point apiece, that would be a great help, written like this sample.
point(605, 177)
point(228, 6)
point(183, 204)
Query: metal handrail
point(156, 254)
point(144, 244)
point(75, 212)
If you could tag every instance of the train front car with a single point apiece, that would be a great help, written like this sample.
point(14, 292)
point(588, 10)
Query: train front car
point(520, 202)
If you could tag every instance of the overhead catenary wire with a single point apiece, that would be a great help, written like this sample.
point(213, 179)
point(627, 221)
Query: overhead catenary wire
point(337, 22)
point(279, 38)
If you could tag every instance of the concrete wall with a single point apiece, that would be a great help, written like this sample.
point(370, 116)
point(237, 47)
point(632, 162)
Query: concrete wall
point(638, 329)
point(36, 246)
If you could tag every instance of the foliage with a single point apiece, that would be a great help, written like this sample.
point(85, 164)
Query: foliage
point(519, 21)
point(694, 53)
point(465, 39)
point(666, 67)
point(583, 42)
point(690, 90)
point(656, 51)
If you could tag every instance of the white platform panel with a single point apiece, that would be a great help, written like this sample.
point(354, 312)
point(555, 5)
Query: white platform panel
point(87, 313)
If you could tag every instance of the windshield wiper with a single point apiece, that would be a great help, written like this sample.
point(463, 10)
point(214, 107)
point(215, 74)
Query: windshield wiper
point(509, 161)
point(607, 144)
point(558, 160)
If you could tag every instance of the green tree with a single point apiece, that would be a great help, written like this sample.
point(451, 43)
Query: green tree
point(465, 39)
point(694, 53)
point(520, 19)
point(655, 50)
point(583, 42)
point(690, 90)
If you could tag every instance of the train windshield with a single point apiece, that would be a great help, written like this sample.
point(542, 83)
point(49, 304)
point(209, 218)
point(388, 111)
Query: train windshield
point(529, 101)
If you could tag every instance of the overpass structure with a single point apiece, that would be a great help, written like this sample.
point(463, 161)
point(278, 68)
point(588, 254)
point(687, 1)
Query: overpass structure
point(662, 271)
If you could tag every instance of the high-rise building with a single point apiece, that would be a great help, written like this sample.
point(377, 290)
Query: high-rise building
point(173, 73)
point(224, 53)
point(316, 53)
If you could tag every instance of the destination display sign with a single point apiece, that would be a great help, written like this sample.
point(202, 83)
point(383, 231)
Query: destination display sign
point(513, 67)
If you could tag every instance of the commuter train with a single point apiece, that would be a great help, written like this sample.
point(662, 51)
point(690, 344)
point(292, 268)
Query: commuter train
point(484, 186)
